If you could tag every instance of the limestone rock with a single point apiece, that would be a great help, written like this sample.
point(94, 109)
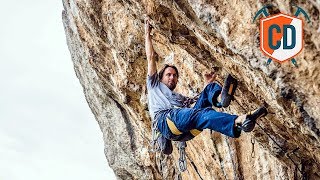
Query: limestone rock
point(106, 41)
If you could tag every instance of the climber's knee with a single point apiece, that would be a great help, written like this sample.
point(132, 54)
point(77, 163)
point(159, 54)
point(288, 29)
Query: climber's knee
point(173, 128)
point(195, 132)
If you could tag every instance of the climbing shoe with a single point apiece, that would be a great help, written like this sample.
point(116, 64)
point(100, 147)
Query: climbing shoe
point(250, 121)
point(228, 90)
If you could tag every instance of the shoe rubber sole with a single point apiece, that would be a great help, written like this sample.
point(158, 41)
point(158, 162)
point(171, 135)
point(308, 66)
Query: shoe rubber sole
point(250, 122)
point(228, 90)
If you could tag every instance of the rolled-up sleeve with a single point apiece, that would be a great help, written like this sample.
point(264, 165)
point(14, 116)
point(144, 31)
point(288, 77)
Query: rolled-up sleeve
point(153, 81)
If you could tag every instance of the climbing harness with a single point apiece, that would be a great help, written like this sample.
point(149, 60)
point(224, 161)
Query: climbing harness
point(189, 101)
point(230, 85)
point(158, 142)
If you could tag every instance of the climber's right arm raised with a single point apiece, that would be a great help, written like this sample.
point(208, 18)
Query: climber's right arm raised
point(152, 68)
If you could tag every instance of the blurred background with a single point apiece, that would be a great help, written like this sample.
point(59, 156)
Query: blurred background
point(47, 131)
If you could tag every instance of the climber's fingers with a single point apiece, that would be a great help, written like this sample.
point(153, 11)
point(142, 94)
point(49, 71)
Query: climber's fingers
point(147, 26)
point(210, 77)
point(146, 19)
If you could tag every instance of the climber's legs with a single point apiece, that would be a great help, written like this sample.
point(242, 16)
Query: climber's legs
point(182, 120)
point(187, 119)
point(185, 123)
point(200, 117)
point(208, 96)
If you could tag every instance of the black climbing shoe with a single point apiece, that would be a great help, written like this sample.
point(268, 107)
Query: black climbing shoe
point(250, 122)
point(228, 90)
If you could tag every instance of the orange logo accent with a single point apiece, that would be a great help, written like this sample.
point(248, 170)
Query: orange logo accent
point(281, 35)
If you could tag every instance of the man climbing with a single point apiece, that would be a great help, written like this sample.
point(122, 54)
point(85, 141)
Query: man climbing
point(175, 121)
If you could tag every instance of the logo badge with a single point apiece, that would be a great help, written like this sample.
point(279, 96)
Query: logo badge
point(281, 35)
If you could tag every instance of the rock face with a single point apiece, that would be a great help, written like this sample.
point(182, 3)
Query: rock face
point(106, 41)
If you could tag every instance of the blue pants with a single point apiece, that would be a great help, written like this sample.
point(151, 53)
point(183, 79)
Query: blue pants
point(200, 117)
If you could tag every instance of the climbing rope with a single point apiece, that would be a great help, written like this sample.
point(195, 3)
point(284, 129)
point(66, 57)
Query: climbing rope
point(189, 101)
point(287, 154)
point(252, 151)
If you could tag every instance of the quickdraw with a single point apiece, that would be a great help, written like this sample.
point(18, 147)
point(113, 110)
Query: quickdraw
point(182, 163)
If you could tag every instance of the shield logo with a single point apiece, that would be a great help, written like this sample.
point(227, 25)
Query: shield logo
point(281, 36)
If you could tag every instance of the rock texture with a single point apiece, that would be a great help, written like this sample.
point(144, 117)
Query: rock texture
point(106, 41)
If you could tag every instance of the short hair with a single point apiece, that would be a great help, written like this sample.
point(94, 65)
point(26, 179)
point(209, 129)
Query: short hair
point(165, 67)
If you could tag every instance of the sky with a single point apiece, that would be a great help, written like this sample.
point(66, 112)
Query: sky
point(47, 130)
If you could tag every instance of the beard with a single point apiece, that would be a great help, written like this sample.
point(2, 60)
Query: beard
point(171, 86)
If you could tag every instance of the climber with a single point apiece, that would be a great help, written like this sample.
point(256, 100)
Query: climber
point(178, 123)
